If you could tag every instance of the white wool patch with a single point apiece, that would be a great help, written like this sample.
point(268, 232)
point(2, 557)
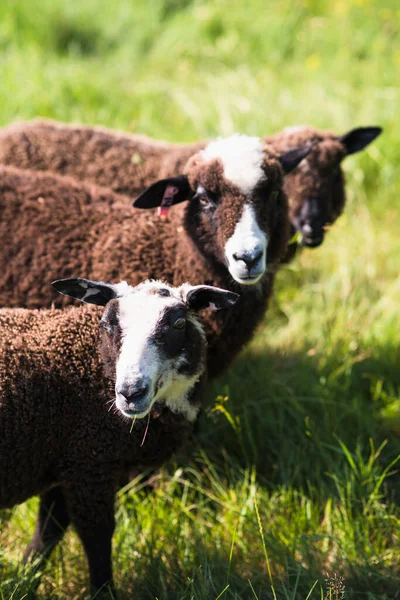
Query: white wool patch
point(242, 158)
point(177, 397)
point(122, 288)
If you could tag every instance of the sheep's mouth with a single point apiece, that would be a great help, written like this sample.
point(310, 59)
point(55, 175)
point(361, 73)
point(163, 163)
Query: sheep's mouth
point(250, 279)
point(246, 276)
point(137, 408)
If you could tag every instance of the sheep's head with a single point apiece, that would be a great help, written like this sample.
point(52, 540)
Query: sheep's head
point(316, 187)
point(237, 212)
point(153, 344)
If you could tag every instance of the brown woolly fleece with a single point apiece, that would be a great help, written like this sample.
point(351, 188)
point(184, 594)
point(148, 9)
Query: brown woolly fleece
point(129, 163)
point(126, 163)
point(52, 227)
point(58, 437)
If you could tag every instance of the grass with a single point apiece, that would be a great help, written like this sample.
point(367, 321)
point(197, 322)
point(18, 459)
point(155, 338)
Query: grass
point(293, 482)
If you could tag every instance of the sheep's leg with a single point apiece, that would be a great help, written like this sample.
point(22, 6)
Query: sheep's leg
point(92, 514)
point(51, 523)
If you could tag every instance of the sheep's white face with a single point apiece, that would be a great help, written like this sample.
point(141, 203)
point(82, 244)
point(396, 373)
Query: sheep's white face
point(150, 331)
point(242, 160)
point(153, 346)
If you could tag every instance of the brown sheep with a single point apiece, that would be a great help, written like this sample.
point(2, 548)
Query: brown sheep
point(231, 233)
point(61, 437)
point(316, 188)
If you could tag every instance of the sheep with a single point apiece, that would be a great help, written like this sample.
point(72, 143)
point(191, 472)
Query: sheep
point(232, 233)
point(316, 188)
point(130, 163)
point(61, 437)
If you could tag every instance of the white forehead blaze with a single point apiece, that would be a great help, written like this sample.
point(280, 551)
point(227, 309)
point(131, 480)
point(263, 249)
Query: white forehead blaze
point(242, 158)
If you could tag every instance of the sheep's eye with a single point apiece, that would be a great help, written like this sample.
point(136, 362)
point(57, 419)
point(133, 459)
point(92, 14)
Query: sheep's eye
point(179, 323)
point(206, 199)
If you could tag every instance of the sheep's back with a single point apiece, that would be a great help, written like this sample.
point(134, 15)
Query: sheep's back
point(126, 163)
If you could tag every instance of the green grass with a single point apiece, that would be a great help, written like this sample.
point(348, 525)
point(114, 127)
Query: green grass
point(294, 472)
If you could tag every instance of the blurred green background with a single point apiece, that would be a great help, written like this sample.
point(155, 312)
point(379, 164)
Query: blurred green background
point(294, 472)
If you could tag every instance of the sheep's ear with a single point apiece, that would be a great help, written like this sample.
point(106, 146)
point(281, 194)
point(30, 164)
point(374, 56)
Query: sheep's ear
point(92, 292)
point(357, 139)
point(290, 159)
point(164, 193)
point(202, 297)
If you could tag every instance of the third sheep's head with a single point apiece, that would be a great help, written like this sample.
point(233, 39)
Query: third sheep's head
point(237, 212)
point(153, 343)
point(316, 188)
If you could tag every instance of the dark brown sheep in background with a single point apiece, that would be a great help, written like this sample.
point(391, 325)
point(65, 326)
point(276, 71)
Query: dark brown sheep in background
point(316, 188)
point(129, 163)
point(58, 437)
point(232, 232)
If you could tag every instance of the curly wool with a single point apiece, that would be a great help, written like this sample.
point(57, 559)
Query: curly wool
point(52, 227)
point(125, 163)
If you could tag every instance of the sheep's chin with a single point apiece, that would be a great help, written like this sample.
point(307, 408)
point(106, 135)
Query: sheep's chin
point(248, 281)
point(135, 415)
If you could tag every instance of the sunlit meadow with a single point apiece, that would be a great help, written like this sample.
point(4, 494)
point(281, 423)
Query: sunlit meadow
point(292, 488)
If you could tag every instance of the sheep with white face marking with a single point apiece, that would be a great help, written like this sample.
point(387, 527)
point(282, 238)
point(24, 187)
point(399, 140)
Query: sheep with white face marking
point(60, 438)
point(130, 163)
point(229, 228)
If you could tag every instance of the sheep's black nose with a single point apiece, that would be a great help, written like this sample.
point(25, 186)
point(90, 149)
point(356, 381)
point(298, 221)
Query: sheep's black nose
point(250, 258)
point(134, 395)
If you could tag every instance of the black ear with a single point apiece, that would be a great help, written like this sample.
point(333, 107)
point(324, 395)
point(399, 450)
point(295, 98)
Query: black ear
point(92, 292)
point(356, 139)
point(201, 297)
point(165, 192)
point(291, 158)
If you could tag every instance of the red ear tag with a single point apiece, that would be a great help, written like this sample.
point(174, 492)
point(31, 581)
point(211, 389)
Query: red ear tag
point(167, 201)
point(162, 211)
